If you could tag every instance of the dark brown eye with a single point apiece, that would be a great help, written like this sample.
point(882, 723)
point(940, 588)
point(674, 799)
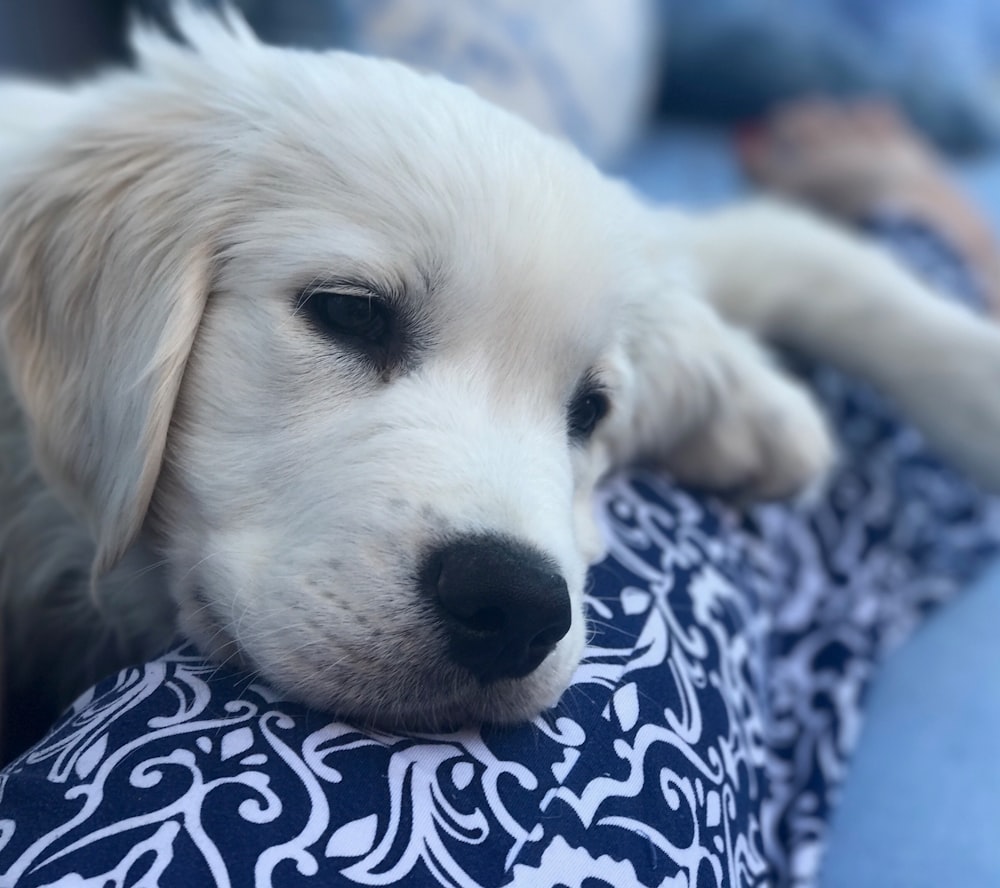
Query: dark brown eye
point(588, 408)
point(351, 319)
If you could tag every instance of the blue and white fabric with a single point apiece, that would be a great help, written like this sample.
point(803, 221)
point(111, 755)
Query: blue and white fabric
point(584, 70)
point(701, 743)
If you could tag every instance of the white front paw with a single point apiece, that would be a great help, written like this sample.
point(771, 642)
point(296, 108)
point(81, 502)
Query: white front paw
point(766, 440)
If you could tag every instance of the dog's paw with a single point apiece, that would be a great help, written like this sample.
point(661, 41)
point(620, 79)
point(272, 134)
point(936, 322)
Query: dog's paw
point(766, 440)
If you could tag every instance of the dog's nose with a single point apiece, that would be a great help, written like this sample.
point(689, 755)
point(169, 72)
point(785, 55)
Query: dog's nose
point(505, 605)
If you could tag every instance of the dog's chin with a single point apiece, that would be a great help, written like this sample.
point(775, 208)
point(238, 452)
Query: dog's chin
point(199, 620)
point(428, 696)
point(508, 702)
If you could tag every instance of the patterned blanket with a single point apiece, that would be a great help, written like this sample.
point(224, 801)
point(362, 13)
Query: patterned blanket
point(701, 742)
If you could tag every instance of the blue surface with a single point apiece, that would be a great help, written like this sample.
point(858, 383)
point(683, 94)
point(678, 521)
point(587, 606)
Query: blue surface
point(686, 165)
point(921, 805)
point(981, 181)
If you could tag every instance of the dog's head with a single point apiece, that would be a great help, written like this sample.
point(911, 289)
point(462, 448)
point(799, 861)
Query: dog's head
point(353, 347)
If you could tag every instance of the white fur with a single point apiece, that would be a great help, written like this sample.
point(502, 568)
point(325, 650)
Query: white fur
point(201, 445)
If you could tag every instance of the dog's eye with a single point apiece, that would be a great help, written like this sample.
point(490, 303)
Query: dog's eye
point(589, 407)
point(362, 319)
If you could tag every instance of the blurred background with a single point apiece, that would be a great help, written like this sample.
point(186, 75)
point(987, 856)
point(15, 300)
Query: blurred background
point(626, 80)
point(711, 60)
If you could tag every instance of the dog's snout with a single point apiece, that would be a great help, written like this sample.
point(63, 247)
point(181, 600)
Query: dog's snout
point(504, 605)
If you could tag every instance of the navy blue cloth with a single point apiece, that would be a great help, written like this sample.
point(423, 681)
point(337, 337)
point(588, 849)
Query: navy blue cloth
point(700, 744)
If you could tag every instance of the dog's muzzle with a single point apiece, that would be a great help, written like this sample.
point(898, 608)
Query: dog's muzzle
point(504, 605)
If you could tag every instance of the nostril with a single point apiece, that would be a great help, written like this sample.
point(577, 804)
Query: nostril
point(548, 638)
point(487, 619)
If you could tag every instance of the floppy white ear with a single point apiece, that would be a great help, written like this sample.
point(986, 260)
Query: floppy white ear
point(104, 272)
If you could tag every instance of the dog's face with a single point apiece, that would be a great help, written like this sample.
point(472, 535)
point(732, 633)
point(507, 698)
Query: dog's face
point(378, 478)
point(353, 347)
point(379, 327)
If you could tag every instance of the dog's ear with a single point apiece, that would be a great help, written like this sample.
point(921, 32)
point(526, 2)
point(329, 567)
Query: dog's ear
point(104, 273)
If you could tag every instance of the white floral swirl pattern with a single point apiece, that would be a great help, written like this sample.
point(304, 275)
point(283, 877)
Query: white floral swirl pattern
point(699, 744)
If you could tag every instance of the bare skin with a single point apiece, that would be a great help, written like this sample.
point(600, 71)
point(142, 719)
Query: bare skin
point(850, 160)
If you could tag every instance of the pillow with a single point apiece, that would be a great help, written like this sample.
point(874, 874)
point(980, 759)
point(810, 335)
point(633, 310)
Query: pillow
point(732, 59)
point(584, 70)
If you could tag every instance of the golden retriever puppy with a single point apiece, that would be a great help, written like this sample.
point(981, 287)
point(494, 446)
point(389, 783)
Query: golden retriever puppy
point(319, 359)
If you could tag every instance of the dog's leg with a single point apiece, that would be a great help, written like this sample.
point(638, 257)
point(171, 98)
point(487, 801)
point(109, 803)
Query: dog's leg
point(765, 436)
point(706, 400)
point(801, 283)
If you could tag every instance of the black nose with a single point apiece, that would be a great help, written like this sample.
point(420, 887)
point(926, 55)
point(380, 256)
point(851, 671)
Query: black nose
point(504, 605)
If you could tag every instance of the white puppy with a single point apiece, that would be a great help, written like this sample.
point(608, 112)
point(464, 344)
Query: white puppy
point(327, 355)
